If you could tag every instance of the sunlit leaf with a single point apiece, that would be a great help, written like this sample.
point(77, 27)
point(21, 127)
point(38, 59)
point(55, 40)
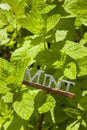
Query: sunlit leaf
point(33, 22)
point(77, 8)
point(70, 71)
point(60, 35)
point(5, 6)
point(47, 9)
point(73, 125)
point(82, 63)
point(74, 50)
point(3, 37)
point(52, 21)
point(7, 72)
point(8, 98)
point(25, 107)
point(48, 105)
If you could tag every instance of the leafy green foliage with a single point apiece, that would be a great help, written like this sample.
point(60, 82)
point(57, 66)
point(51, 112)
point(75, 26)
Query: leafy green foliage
point(75, 125)
point(70, 71)
point(33, 22)
point(82, 63)
point(75, 50)
point(60, 35)
point(25, 107)
point(50, 35)
point(77, 8)
point(52, 21)
point(48, 105)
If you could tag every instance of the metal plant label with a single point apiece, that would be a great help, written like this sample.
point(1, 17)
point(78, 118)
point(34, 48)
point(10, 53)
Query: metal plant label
point(34, 81)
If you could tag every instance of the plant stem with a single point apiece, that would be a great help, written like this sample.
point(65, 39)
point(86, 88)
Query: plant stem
point(41, 121)
point(81, 31)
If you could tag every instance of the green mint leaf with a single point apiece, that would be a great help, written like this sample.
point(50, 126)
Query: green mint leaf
point(77, 8)
point(3, 37)
point(7, 72)
point(47, 9)
point(27, 52)
point(68, 4)
point(4, 110)
point(5, 6)
point(82, 63)
point(8, 98)
point(47, 35)
point(17, 6)
point(67, 24)
point(70, 71)
point(71, 112)
point(74, 50)
point(48, 57)
point(3, 87)
point(25, 107)
point(33, 22)
point(60, 35)
point(25, 56)
point(48, 105)
point(52, 21)
point(15, 122)
point(73, 125)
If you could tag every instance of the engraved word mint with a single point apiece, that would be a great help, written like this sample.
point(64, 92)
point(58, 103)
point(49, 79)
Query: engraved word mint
point(52, 80)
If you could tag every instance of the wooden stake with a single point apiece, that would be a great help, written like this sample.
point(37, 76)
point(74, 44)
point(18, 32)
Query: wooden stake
point(52, 90)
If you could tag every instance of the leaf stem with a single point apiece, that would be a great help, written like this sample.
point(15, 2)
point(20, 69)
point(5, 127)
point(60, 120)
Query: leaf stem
point(41, 121)
point(81, 31)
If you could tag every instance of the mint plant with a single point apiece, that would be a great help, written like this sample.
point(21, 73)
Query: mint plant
point(49, 35)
